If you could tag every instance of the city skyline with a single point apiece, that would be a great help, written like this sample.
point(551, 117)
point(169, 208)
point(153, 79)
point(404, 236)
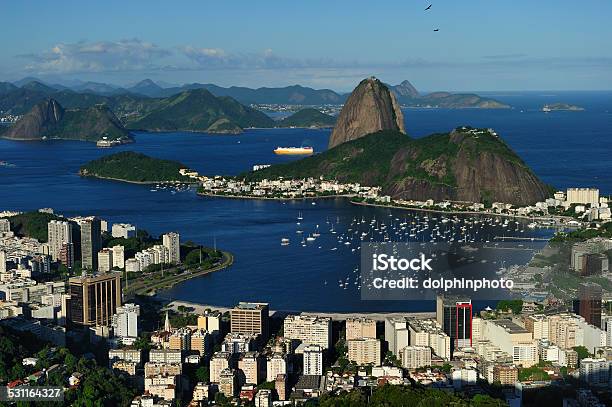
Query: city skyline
point(526, 46)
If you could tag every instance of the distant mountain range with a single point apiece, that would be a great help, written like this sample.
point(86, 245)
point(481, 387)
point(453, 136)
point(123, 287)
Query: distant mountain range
point(193, 107)
point(405, 92)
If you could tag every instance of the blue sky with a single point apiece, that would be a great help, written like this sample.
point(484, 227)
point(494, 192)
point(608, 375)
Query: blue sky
point(481, 45)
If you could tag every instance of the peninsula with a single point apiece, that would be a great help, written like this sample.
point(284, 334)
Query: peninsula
point(129, 166)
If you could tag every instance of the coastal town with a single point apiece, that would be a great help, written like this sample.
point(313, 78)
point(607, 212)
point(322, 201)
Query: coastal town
point(571, 208)
point(70, 288)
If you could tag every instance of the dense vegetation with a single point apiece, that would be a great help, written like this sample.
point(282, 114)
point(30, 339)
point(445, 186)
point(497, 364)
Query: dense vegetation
point(579, 235)
point(386, 158)
point(99, 386)
point(90, 125)
point(369, 156)
point(404, 396)
point(516, 306)
point(134, 167)
point(198, 110)
point(308, 117)
point(32, 224)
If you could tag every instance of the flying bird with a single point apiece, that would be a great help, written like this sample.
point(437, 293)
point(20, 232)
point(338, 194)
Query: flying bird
point(428, 7)
point(436, 29)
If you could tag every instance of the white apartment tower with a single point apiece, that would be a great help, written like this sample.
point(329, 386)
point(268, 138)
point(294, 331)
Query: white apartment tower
point(172, 242)
point(2, 262)
point(59, 232)
point(313, 360)
point(105, 260)
point(118, 257)
point(126, 321)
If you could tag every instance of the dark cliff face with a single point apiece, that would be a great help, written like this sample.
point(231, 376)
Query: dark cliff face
point(472, 168)
point(371, 107)
point(42, 118)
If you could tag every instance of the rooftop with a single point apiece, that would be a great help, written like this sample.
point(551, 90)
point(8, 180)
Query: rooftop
point(510, 326)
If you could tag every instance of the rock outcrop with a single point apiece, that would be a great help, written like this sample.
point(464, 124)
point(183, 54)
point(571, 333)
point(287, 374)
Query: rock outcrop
point(40, 120)
point(475, 165)
point(370, 108)
point(49, 120)
point(405, 90)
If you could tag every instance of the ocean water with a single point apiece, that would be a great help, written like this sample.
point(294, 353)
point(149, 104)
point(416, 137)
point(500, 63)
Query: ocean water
point(564, 149)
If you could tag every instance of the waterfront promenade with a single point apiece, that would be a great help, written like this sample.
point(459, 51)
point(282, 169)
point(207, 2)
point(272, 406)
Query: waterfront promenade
point(336, 316)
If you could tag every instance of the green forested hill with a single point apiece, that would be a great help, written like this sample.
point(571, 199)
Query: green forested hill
point(134, 167)
point(199, 110)
point(308, 117)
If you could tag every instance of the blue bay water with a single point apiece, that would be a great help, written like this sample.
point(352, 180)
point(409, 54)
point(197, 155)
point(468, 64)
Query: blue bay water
point(564, 149)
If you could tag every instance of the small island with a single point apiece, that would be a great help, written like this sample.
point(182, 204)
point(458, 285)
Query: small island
point(137, 168)
point(561, 106)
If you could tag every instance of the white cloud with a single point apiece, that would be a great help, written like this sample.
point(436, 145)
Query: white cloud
point(102, 56)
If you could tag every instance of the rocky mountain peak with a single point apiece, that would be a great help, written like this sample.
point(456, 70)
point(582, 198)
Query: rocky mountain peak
point(406, 89)
point(370, 108)
point(43, 117)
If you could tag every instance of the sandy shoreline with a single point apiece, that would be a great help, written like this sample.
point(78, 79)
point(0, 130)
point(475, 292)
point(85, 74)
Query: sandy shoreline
point(336, 316)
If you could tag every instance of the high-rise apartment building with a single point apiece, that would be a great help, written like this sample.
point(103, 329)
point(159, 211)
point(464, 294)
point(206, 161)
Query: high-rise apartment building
point(91, 241)
point(171, 241)
point(118, 257)
point(66, 256)
point(59, 233)
point(250, 318)
point(360, 328)
point(313, 360)
point(250, 366)
point(413, 357)
point(94, 299)
point(310, 330)
point(538, 325)
point(105, 260)
point(396, 334)
point(218, 362)
point(125, 321)
point(276, 365)
point(123, 230)
point(455, 317)
point(2, 261)
point(427, 332)
point(200, 342)
point(364, 351)
point(582, 196)
point(588, 303)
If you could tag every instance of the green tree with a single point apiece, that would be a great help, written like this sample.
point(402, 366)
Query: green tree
point(202, 374)
point(582, 352)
